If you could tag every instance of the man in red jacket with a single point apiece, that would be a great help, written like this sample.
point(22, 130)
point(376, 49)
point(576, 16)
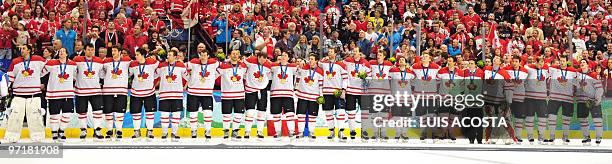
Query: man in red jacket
point(135, 40)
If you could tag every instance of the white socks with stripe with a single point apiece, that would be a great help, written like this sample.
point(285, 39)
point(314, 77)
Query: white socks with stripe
point(366, 121)
point(261, 120)
point(312, 122)
point(329, 117)
point(566, 125)
point(529, 126)
point(584, 126)
point(237, 121)
point(301, 123)
point(119, 121)
point(54, 121)
point(83, 120)
point(518, 125)
point(227, 118)
point(208, 119)
point(277, 123)
point(137, 117)
point(165, 122)
point(250, 116)
point(290, 118)
point(552, 125)
point(109, 121)
point(193, 120)
point(541, 127)
point(176, 119)
point(597, 122)
point(341, 118)
point(149, 122)
point(97, 118)
point(352, 123)
point(64, 121)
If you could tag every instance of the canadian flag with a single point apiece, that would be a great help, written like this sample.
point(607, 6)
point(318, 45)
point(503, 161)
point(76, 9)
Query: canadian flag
point(491, 35)
point(184, 17)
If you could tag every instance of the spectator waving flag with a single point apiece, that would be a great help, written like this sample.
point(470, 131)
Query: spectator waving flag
point(184, 13)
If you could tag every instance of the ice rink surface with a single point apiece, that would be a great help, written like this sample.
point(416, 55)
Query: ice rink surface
point(322, 151)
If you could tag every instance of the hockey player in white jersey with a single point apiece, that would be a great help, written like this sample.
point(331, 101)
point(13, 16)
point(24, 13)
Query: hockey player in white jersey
point(356, 89)
point(425, 83)
point(232, 93)
point(256, 85)
point(335, 83)
point(517, 74)
point(60, 93)
point(535, 98)
point(308, 90)
point(401, 76)
point(114, 91)
point(171, 77)
point(281, 94)
point(201, 82)
point(142, 93)
point(561, 96)
point(88, 91)
point(589, 95)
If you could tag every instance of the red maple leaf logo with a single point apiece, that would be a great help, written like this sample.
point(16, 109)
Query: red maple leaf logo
point(66, 76)
point(307, 79)
point(282, 77)
point(402, 82)
point(428, 78)
point(205, 74)
point(29, 71)
point(354, 73)
point(542, 78)
point(86, 72)
point(332, 73)
point(381, 75)
point(237, 77)
point(173, 77)
point(561, 80)
point(256, 74)
point(448, 83)
point(118, 72)
point(144, 75)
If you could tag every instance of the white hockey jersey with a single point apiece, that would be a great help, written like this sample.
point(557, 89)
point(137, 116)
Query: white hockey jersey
point(517, 77)
point(25, 75)
point(562, 83)
point(355, 84)
point(171, 80)
point(61, 79)
point(380, 83)
point(536, 84)
point(232, 80)
point(425, 81)
point(309, 83)
point(283, 78)
point(257, 75)
point(116, 76)
point(143, 84)
point(88, 76)
point(336, 76)
point(201, 80)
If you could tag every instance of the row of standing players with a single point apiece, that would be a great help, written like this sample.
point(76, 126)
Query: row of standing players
point(245, 84)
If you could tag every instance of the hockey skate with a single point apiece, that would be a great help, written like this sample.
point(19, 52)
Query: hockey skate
point(586, 141)
point(83, 134)
point(247, 135)
point(207, 135)
point(175, 138)
point(164, 137)
point(55, 136)
point(353, 134)
point(341, 136)
point(150, 135)
point(598, 141)
point(566, 141)
point(364, 135)
point(225, 133)
point(118, 135)
point(61, 136)
point(136, 135)
point(98, 135)
point(109, 135)
point(260, 136)
point(331, 135)
point(194, 134)
point(236, 135)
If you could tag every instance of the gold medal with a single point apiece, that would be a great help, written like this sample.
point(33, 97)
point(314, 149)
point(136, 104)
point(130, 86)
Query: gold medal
point(202, 79)
point(114, 76)
point(25, 74)
point(234, 79)
point(89, 75)
point(61, 80)
point(260, 78)
point(283, 81)
point(169, 79)
point(329, 76)
point(310, 82)
point(140, 78)
point(110, 44)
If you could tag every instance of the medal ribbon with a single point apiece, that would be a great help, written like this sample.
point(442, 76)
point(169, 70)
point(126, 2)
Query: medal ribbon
point(171, 70)
point(564, 74)
point(203, 69)
point(26, 64)
point(141, 68)
point(539, 72)
point(235, 69)
point(62, 69)
point(115, 68)
point(89, 64)
point(425, 72)
point(493, 73)
point(312, 73)
point(284, 73)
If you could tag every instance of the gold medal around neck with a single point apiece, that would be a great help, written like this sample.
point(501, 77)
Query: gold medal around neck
point(202, 79)
point(260, 78)
point(283, 81)
point(61, 80)
point(114, 76)
point(234, 79)
point(329, 76)
point(169, 79)
point(25, 74)
point(89, 75)
point(140, 78)
point(310, 82)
